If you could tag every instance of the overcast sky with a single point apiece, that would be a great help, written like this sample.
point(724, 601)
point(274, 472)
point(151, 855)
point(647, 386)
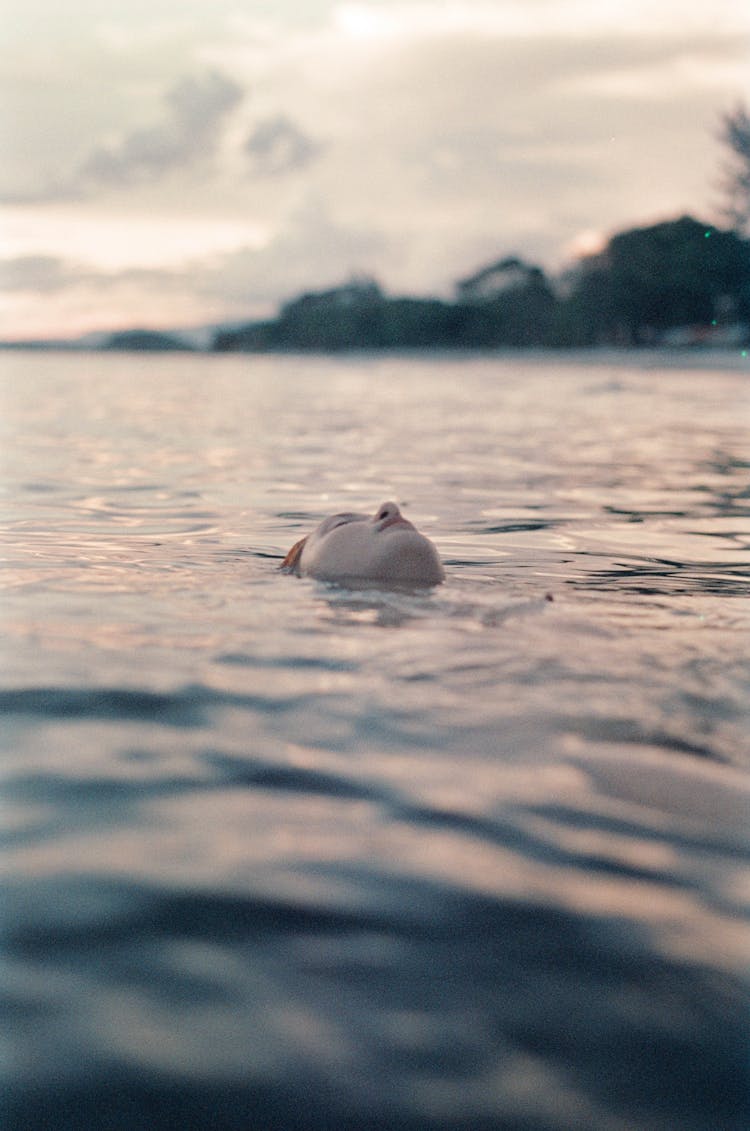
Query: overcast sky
point(178, 162)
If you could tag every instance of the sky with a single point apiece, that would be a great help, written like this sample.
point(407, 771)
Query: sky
point(173, 163)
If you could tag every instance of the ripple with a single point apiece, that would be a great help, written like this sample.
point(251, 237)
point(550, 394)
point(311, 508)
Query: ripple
point(188, 707)
point(658, 576)
point(291, 996)
point(180, 710)
point(286, 856)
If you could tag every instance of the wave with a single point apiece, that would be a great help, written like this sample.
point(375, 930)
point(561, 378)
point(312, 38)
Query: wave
point(187, 707)
point(427, 1009)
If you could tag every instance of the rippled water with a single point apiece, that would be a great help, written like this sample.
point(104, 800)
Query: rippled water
point(279, 855)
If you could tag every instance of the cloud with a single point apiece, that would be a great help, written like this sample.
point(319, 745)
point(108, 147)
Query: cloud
point(79, 299)
point(41, 274)
point(413, 140)
point(506, 143)
point(276, 145)
point(190, 132)
point(528, 19)
point(311, 249)
point(194, 139)
point(50, 274)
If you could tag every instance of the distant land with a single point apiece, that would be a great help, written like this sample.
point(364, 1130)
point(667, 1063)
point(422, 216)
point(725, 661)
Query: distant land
point(678, 283)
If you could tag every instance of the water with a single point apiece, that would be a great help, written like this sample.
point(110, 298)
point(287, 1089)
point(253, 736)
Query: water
point(284, 856)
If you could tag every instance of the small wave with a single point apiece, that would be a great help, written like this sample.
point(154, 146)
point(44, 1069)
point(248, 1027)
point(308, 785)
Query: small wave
point(195, 1008)
point(285, 663)
point(188, 707)
point(267, 775)
point(651, 577)
point(181, 709)
point(520, 527)
point(101, 910)
point(629, 732)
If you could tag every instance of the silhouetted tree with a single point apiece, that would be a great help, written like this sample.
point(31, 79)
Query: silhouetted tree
point(508, 303)
point(735, 133)
point(585, 313)
point(646, 281)
point(251, 337)
point(494, 280)
point(677, 273)
point(343, 318)
point(152, 341)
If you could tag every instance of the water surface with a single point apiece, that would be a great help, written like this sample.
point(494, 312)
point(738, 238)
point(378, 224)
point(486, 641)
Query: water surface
point(280, 855)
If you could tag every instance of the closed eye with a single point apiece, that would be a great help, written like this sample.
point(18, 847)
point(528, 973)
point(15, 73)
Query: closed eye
point(344, 520)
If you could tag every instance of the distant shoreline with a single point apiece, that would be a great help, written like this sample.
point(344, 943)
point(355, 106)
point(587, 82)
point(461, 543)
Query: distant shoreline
point(647, 357)
point(678, 285)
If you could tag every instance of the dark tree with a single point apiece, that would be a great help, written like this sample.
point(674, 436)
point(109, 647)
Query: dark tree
point(648, 280)
point(508, 303)
point(152, 341)
point(585, 314)
point(677, 273)
point(645, 282)
point(347, 317)
point(735, 133)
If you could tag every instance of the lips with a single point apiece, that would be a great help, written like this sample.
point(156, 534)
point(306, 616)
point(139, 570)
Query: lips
point(396, 520)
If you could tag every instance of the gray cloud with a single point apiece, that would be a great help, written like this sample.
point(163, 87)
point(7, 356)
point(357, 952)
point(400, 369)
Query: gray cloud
point(49, 274)
point(44, 274)
point(312, 249)
point(441, 151)
point(191, 130)
point(276, 145)
point(198, 104)
point(527, 142)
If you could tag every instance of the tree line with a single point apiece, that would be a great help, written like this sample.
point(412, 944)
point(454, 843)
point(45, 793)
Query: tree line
point(644, 283)
point(679, 280)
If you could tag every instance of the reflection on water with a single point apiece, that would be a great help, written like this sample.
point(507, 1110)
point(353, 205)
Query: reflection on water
point(281, 855)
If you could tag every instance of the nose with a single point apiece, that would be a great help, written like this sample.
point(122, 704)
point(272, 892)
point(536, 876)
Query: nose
point(389, 515)
point(388, 512)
